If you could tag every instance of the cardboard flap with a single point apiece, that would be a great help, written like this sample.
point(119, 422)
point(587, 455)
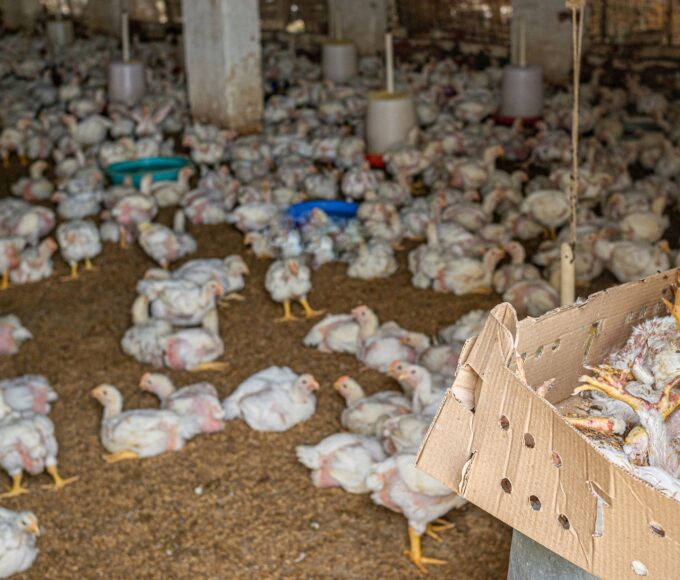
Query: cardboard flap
point(495, 341)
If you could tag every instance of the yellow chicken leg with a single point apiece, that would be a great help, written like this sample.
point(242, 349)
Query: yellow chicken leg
point(17, 488)
point(415, 553)
point(441, 526)
point(5, 280)
point(287, 316)
point(88, 265)
point(231, 297)
point(59, 483)
point(119, 456)
point(309, 311)
point(211, 366)
point(74, 272)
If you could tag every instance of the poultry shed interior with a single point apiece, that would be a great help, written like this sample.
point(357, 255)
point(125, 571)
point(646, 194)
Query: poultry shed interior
point(195, 380)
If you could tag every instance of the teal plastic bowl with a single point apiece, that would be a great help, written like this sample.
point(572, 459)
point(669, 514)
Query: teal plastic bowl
point(162, 169)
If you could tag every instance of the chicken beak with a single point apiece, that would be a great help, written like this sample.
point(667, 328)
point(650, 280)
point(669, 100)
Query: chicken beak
point(97, 393)
point(246, 270)
point(34, 528)
point(313, 385)
point(293, 268)
point(403, 376)
point(337, 385)
point(142, 382)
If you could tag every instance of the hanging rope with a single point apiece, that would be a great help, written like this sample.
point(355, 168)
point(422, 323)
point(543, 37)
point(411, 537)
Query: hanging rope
point(577, 12)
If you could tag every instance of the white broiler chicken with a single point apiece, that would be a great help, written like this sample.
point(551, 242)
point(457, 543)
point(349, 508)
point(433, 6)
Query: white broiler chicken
point(79, 241)
point(465, 327)
point(18, 532)
point(380, 345)
point(549, 207)
point(35, 264)
point(398, 485)
point(197, 404)
point(335, 333)
point(28, 444)
point(10, 249)
point(12, 334)
point(166, 245)
point(138, 433)
point(630, 261)
point(366, 414)
point(467, 275)
point(289, 280)
point(341, 460)
point(374, 260)
point(180, 302)
point(404, 432)
point(30, 394)
point(274, 399)
point(426, 395)
point(229, 272)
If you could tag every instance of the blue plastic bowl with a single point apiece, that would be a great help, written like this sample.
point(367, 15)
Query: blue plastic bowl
point(162, 169)
point(336, 210)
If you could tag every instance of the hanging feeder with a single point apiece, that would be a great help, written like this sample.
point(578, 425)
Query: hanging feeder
point(127, 79)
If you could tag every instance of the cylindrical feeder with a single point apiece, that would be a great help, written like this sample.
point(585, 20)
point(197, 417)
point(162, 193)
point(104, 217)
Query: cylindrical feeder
point(60, 32)
point(389, 119)
point(338, 60)
point(522, 92)
point(127, 82)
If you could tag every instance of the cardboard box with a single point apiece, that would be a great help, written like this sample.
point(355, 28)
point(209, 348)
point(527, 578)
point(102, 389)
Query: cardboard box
point(515, 457)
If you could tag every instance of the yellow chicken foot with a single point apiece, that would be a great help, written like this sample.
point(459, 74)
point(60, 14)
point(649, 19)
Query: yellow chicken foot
point(674, 308)
point(287, 316)
point(230, 297)
point(16, 489)
point(415, 553)
point(211, 366)
point(440, 525)
point(599, 424)
point(609, 385)
point(4, 284)
point(309, 311)
point(119, 456)
point(88, 265)
point(59, 483)
point(74, 272)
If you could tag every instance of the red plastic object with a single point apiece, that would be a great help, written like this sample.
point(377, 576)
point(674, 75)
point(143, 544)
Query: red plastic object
point(508, 121)
point(376, 160)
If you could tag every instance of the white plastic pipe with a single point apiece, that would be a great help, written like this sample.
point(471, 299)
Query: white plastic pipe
point(125, 35)
point(389, 62)
point(567, 275)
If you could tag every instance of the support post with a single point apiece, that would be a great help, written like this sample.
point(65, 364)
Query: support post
point(223, 62)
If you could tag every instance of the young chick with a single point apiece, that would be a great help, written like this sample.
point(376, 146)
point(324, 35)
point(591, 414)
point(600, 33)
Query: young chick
point(138, 433)
point(366, 414)
point(273, 399)
point(197, 404)
point(341, 460)
point(12, 334)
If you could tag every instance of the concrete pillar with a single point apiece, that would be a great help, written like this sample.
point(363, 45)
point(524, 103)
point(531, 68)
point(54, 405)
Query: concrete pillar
point(20, 14)
point(223, 62)
point(364, 22)
point(530, 561)
point(548, 36)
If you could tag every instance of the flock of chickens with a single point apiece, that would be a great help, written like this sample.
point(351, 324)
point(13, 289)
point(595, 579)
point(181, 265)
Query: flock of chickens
point(467, 221)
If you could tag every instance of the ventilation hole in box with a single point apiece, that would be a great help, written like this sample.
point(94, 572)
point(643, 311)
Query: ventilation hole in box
point(564, 521)
point(504, 422)
point(595, 326)
point(529, 440)
point(556, 345)
point(523, 356)
point(556, 459)
point(657, 530)
point(535, 503)
point(539, 353)
point(639, 568)
point(506, 486)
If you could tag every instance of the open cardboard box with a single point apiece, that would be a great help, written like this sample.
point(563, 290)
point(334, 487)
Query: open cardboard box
point(515, 457)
